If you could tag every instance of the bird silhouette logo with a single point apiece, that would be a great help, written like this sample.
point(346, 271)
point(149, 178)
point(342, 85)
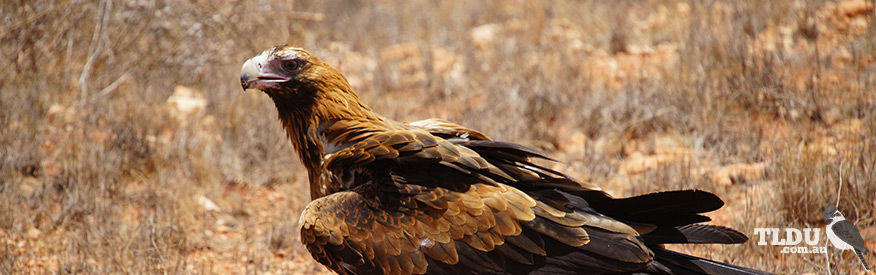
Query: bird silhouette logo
point(843, 234)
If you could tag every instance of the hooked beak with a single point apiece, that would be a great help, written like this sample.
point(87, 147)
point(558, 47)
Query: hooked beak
point(257, 74)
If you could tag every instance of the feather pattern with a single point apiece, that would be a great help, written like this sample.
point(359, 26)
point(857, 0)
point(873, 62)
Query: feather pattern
point(432, 196)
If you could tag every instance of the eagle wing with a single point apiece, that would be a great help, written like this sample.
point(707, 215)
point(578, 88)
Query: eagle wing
point(447, 129)
point(418, 202)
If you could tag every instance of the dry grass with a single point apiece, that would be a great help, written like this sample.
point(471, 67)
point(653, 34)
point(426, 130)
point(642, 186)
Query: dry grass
point(767, 103)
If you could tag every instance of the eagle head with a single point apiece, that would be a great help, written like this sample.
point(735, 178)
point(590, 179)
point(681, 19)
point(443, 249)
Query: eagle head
point(287, 70)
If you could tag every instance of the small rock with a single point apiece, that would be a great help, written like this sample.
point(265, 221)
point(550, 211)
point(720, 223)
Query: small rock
point(186, 101)
point(737, 173)
point(221, 229)
point(33, 233)
point(207, 204)
point(854, 8)
point(484, 35)
point(399, 52)
point(55, 112)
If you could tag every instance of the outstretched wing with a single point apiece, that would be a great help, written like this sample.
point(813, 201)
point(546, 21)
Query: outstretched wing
point(848, 232)
point(421, 203)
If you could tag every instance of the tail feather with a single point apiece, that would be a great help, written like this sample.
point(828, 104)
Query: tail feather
point(679, 263)
point(861, 257)
point(663, 208)
point(670, 202)
point(695, 233)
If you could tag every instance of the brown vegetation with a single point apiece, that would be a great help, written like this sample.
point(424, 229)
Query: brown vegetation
point(107, 166)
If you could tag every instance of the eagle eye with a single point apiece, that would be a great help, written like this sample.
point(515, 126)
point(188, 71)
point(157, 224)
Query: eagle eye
point(293, 64)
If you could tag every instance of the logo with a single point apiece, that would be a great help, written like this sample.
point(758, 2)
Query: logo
point(843, 234)
point(791, 239)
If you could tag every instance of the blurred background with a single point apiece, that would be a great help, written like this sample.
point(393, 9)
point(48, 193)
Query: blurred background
point(127, 145)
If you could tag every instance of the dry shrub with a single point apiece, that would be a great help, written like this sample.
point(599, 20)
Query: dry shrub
point(100, 174)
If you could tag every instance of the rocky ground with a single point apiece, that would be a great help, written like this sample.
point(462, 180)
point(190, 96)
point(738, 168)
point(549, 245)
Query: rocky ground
point(138, 153)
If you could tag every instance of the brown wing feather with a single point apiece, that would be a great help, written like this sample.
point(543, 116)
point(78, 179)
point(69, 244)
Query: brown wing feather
point(400, 217)
point(447, 129)
point(348, 233)
point(423, 158)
